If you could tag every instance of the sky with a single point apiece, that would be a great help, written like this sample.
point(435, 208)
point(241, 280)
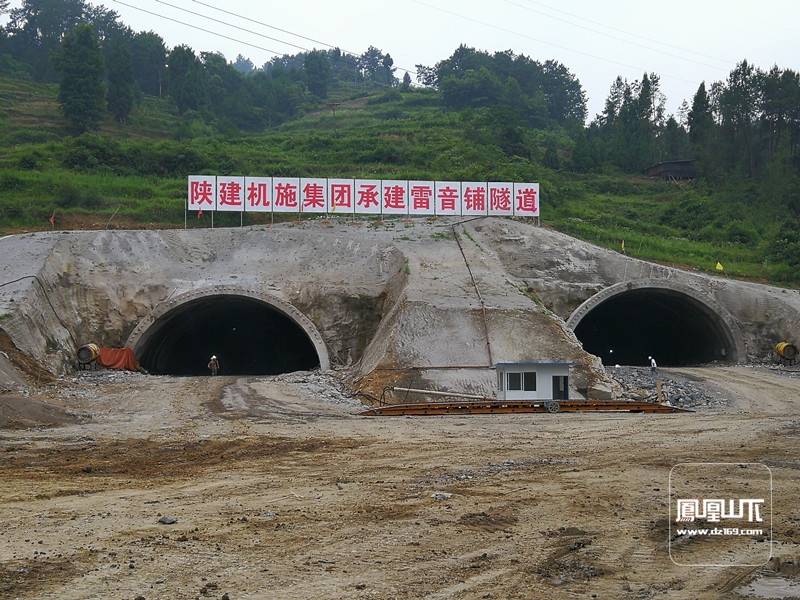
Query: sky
point(684, 42)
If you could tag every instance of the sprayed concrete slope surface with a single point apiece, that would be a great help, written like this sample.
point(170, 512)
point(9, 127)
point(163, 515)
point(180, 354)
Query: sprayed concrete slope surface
point(409, 302)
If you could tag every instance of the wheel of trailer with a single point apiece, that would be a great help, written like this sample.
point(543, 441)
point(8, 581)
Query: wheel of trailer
point(552, 407)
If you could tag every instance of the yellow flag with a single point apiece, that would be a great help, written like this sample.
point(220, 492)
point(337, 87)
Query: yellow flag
point(719, 266)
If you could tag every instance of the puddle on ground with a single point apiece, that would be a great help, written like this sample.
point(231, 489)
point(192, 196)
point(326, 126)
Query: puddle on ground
point(780, 580)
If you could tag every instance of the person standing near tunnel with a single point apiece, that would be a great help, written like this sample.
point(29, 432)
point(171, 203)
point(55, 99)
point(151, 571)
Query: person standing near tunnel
point(213, 365)
point(653, 365)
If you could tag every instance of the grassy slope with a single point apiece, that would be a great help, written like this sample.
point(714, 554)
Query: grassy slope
point(407, 138)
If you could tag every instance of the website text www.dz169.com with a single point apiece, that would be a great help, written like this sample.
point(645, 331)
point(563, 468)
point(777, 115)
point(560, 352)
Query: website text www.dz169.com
point(719, 531)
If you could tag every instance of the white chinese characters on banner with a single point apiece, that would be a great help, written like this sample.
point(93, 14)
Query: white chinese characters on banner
point(362, 196)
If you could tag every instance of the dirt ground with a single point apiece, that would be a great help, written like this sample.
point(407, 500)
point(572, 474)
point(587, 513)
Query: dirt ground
point(122, 485)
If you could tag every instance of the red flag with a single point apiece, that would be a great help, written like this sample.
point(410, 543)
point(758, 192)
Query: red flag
point(199, 212)
point(52, 218)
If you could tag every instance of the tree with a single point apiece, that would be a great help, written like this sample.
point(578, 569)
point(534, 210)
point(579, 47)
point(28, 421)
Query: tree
point(581, 157)
point(149, 56)
point(387, 70)
point(3, 10)
point(377, 67)
point(563, 93)
point(739, 106)
point(632, 123)
point(674, 141)
point(318, 73)
point(699, 118)
point(471, 88)
point(781, 108)
point(107, 27)
point(275, 96)
point(613, 104)
point(700, 122)
point(120, 82)
point(463, 59)
point(344, 67)
point(647, 122)
point(79, 61)
point(37, 27)
point(225, 92)
point(242, 64)
point(426, 76)
point(551, 159)
point(185, 79)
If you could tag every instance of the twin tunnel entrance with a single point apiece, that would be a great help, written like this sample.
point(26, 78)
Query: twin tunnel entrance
point(249, 335)
point(256, 334)
point(627, 323)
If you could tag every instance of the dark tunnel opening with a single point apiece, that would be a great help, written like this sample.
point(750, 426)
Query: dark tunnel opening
point(248, 336)
point(676, 329)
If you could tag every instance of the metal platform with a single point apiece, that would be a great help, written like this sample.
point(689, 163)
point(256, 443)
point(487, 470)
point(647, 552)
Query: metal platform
point(483, 407)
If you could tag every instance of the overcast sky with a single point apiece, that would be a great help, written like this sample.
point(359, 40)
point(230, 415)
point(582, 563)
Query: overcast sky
point(685, 42)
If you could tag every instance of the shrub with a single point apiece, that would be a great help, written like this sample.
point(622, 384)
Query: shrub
point(29, 161)
point(390, 95)
point(10, 182)
point(737, 232)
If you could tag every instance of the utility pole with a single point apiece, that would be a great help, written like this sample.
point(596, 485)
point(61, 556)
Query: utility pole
point(332, 106)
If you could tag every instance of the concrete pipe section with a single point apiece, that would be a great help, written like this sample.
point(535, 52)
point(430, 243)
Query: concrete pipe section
point(627, 323)
point(249, 336)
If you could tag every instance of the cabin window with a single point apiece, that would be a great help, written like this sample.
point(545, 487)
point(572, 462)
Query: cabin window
point(525, 381)
point(529, 382)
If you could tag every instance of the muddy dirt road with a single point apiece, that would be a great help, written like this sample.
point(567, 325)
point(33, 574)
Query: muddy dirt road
point(173, 488)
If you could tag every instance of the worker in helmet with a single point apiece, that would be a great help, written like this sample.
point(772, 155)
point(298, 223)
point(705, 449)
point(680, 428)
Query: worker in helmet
point(213, 365)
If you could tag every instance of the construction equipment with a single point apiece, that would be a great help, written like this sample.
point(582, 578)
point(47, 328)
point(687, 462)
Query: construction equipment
point(87, 356)
point(787, 353)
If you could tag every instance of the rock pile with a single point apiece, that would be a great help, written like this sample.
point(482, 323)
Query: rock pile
point(640, 384)
point(323, 385)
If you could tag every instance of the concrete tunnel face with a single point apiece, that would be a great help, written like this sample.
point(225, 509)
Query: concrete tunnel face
point(247, 335)
point(675, 328)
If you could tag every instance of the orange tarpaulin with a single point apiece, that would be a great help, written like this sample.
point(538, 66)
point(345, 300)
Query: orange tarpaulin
point(118, 358)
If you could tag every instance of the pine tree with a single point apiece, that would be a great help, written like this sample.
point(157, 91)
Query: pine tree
point(80, 62)
point(120, 83)
point(186, 79)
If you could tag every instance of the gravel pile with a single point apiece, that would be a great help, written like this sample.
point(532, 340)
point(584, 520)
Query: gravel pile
point(325, 386)
point(640, 384)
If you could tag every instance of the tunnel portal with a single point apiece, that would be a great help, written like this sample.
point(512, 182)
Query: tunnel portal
point(676, 328)
point(247, 335)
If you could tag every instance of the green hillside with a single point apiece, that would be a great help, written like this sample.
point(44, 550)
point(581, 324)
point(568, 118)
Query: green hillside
point(133, 175)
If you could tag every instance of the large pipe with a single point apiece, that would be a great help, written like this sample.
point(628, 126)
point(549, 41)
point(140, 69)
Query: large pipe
point(786, 350)
point(88, 353)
